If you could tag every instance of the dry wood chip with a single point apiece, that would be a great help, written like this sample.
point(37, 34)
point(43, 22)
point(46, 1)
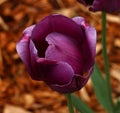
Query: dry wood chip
point(14, 109)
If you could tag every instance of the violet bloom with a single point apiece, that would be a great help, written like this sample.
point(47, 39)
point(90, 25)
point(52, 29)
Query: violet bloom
point(102, 5)
point(59, 51)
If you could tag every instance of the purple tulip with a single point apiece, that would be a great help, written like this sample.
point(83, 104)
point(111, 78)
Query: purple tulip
point(59, 51)
point(102, 5)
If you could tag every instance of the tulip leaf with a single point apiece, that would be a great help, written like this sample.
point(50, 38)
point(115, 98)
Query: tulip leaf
point(80, 105)
point(100, 88)
point(117, 108)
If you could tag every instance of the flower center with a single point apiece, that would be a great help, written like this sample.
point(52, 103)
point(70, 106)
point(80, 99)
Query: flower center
point(41, 47)
point(89, 2)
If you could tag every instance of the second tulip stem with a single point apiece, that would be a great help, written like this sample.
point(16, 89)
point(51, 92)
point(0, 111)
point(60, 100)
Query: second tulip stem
point(106, 63)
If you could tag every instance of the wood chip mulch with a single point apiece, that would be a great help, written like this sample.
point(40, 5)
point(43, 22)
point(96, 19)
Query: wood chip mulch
point(20, 94)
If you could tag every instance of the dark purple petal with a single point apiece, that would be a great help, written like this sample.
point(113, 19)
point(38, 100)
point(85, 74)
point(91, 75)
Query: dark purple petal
point(23, 47)
point(78, 81)
point(57, 73)
point(88, 47)
point(102, 5)
point(105, 5)
point(42, 68)
point(64, 48)
point(28, 54)
point(54, 23)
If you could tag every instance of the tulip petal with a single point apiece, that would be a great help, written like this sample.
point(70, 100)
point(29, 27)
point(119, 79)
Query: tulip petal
point(28, 30)
point(102, 5)
point(64, 48)
point(89, 45)
point(78, 81)
point(28, 54)
point(57, 73)
point(55, 23)
point(41, 68)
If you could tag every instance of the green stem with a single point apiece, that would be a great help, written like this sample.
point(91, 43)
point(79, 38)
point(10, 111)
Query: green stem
point(69, 101)
point(106, 63)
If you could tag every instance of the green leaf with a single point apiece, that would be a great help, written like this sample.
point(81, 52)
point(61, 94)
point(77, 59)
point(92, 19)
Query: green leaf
point(117, 108)
point(80, 105)
point(100, 88)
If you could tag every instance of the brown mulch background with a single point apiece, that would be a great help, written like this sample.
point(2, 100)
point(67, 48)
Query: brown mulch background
point(20, 94)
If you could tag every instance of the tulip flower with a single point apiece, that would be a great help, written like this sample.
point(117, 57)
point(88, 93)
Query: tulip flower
point(102, 5)
point(59, 51)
